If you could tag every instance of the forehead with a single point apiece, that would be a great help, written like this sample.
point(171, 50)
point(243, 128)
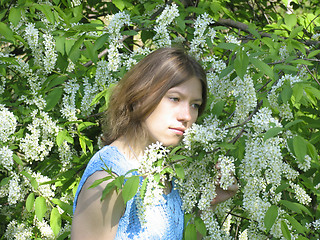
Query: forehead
point(191, 87)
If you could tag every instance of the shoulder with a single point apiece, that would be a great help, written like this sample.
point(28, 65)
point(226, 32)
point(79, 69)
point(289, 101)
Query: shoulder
point(94, 218)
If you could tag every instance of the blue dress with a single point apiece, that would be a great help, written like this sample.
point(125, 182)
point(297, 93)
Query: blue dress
point(167, 219)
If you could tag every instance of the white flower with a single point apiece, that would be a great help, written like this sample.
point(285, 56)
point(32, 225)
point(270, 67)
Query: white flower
point(38, 142)
point(232, 39)
point(18, 231)
point(90, 90)
point(14, 189)
point(300, 194)
point(50, 55)
point(162, 37)
point(45, 229)
point(6, 159)
point(198, 43)
point(117, 22)
point(227, 170)
point(68, 109)
point(8, 124)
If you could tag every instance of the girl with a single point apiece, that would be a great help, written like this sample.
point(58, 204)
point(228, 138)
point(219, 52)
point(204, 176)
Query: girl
point(157, 100)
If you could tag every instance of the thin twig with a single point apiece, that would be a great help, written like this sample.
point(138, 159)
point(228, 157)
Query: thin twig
point(312, 74)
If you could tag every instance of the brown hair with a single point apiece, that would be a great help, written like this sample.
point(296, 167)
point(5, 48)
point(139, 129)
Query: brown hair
point(142, 88)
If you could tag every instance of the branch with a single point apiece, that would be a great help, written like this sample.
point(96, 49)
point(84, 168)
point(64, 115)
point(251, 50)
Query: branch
point(244, 27)
point(314, 77)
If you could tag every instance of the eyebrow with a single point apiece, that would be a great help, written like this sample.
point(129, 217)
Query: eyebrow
point(170, 91)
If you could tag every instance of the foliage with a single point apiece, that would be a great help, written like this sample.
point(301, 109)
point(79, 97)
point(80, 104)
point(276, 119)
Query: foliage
point(59, 58)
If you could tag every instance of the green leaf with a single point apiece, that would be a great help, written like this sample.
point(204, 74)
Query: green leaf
point(241, 63)
point(179, 171)
point(33, 181)
point(46, 9)
point(312, 151)
point(290, 20)
point(177, 157)
point(296, 207)
point(119, 4)
point(291, 205)
point(313, 53)
point(290, 124)
point(226, 145)
point(119, 182)
point(84, 125)
point(55, 221)
point(262, 66)
point(130, 188)
point(218, 108)
point(99, 181)
point(228, 46)
point(285, 231)
point(143, 188)
point(110, 186)
point(253, 30)
point(17, 159)
point(190, 232)
point(129, 33)
point(200, 226)
point(300, 147)
point(15, 15)
point(286, 93)
point(74, 53)
point(63, 205)
point(90, 52)
point(63, 135)
point(270, 217)
point(295, 224)
point(5, 181)
point(30, 202)
point(281, 188)
point(60, 44)
point(40, 207)
point(6, 32)
point(272, 132)
point(295, 31)
point(53, 98)
point(100, 42)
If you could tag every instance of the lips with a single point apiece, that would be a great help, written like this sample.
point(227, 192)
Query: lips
point(178, 130)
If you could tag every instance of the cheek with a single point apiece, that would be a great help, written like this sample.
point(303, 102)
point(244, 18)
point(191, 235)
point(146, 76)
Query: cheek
point(194, 118)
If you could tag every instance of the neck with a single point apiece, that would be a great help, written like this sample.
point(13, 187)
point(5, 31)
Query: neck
point(129, 149)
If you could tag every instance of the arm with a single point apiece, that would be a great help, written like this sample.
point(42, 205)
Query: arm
point(94, 219)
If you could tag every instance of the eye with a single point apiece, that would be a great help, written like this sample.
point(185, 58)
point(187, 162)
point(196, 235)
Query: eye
point(196, 105)
point(174, 99)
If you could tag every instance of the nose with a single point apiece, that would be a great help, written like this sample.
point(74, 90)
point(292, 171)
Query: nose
point(184, 113)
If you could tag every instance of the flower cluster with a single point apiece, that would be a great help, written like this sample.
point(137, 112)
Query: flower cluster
point(162, 37)
point(50, 55)
point(6, 157)
point(227, 171)
point(232, 39)
point(19, 231)
point(315, 225)
point(8, 124)
point(300, 194)
point(198, 43)
point(38, 142)
point(90, 90)
point(207, 135)
point(69, 109)
point(117, 22)
point(245, 92)
point(150, 164)
point(284, 108)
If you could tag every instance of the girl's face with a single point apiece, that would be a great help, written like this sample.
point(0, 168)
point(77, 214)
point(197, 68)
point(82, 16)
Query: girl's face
point(177, 111)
